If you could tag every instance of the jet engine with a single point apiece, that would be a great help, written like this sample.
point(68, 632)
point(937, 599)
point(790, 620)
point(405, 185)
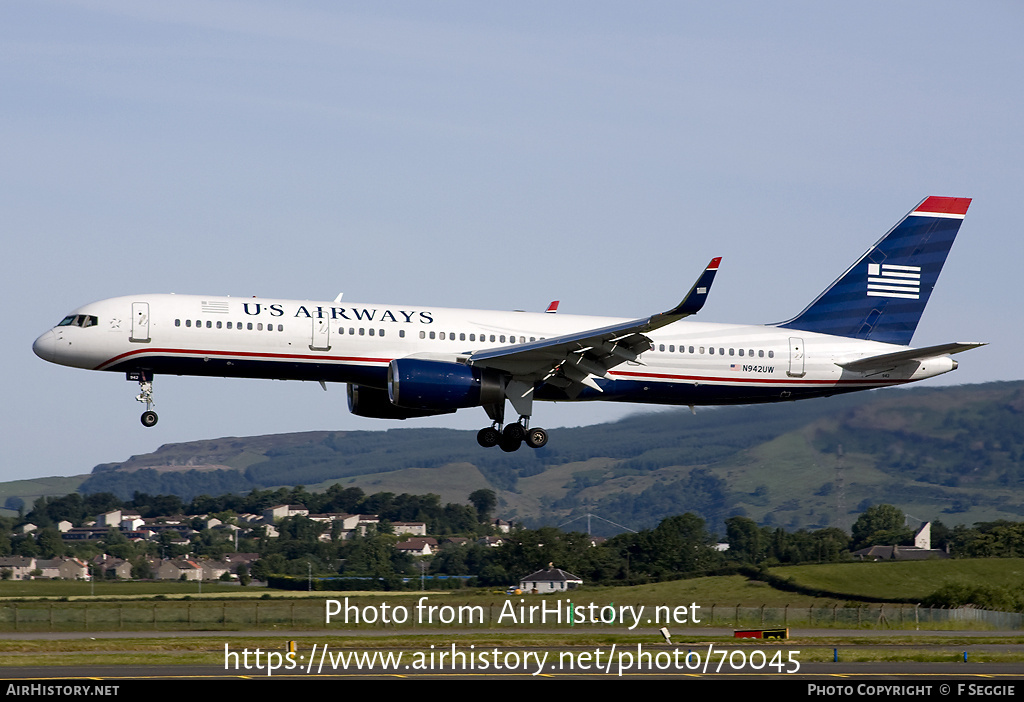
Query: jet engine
point(364, 401)
point(440, 385)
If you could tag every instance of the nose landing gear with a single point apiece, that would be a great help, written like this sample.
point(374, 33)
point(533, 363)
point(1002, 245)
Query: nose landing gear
point(145, 395)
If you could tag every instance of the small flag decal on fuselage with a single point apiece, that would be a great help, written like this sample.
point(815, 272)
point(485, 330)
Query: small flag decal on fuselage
point(890, 280)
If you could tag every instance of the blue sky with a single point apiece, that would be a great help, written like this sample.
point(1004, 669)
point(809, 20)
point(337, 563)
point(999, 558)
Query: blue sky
point(480, 155)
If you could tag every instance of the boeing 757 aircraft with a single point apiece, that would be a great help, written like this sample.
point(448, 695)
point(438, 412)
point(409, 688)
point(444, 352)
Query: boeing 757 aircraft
point(403, 361)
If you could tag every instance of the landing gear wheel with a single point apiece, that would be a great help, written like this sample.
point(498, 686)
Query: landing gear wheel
point(536, 438)
point(149, 418)
point(513, 432)
point(508, 446)
point(488, 437)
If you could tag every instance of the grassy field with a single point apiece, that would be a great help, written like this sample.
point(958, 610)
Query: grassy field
point(730, 601)
point(915, 580)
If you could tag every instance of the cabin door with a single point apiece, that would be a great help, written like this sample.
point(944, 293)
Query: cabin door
point(796, 357)
point(321, 335)
point(140, 323)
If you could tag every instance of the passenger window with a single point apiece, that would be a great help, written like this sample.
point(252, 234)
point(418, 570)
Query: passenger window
point(362, 331)
point(423, 335)
point(188, 323)
point(431, 335)
point(771, 354)
point(732, 352)
point(691, 350)
point(661, 347)
point(372, 332)
point(442, 336)
point(712, 350)
point(760, 353)
point(259, 326)
point(248, 326)
point(177, 322)
point(401, 333)
point(380, 333)
point(219, 324)
point(462, 336)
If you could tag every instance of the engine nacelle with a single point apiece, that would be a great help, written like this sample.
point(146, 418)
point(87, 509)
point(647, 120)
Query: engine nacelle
point(441, 385)
point(365, 401)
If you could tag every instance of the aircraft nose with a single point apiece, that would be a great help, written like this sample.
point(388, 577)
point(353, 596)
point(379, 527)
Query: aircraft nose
point(46, 347)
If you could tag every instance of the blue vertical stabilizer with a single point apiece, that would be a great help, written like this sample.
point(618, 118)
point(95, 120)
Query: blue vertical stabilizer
point(882, 296)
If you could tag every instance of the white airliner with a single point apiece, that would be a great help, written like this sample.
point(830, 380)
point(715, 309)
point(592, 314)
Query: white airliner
point(403, 361)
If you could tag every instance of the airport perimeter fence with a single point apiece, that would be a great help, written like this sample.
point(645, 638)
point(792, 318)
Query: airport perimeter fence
point(269, 615)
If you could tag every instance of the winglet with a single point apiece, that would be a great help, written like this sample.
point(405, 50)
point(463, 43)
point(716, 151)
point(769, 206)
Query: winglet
point(694, 299)
point(553, 307)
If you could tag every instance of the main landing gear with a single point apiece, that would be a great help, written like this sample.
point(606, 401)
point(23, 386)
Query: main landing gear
point(513, 435)
point(145, 395)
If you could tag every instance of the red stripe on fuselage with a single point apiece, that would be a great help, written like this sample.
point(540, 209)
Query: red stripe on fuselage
point(747, 381)
point(795, 382)
point(240, 354)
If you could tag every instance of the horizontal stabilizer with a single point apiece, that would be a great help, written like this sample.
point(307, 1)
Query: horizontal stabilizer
point(888, 360)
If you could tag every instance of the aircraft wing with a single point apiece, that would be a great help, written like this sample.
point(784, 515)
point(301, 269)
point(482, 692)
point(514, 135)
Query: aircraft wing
point(888, 360)
point(573, 360)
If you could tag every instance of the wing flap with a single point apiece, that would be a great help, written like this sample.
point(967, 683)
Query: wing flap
point(581, 356)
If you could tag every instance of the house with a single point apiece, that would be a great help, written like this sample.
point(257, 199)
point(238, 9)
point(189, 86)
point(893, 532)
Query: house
point(179, 569)
point(418, 546)
point(20, 566)
point(279, 512)
point(109, 519)
point(73, 569)
point(105, 563)
point(413, 528)
point(48, 567)
point(921, 550)
point(213, 570)
point(549, 580)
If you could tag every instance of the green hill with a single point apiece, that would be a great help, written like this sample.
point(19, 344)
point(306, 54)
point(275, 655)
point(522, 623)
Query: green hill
point(949, 453)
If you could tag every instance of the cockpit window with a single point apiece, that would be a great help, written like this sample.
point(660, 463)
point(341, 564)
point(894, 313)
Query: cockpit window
point(79, 320)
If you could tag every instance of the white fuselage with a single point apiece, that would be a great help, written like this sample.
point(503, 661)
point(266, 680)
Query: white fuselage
point(691, 363)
